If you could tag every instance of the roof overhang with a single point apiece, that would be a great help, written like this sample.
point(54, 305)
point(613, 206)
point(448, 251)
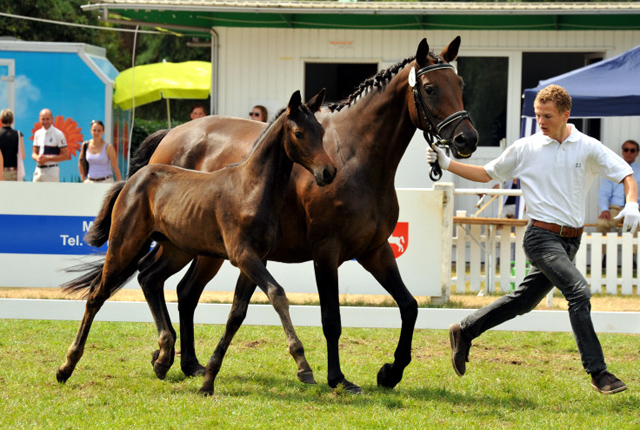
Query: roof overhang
point(197, 17)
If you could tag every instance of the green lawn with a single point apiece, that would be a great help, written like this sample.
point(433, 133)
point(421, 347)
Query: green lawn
point(515, 380)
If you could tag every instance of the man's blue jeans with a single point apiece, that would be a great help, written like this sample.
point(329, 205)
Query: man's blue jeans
point(551, 258)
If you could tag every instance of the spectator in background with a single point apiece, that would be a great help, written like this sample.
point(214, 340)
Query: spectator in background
point(611, 198)
point(11, 147)
point(49, 148)
point(198, 111)
point(98, 158)
point(259, 113)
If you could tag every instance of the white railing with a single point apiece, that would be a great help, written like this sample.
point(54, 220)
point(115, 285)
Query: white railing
point(489, 256)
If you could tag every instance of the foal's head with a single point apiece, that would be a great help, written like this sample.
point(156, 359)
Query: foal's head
point(303, 138)
point(438, 108)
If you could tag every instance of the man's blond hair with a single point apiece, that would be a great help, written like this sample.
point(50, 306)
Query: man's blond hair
point(556, 95)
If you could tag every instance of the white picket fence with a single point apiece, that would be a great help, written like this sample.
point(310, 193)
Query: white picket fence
point(489, 257)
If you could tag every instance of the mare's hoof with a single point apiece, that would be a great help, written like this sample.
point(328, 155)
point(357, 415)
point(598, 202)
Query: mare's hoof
point(349, 387)
point(387, 377)
point(160, 369)
point(206, 392)
point(62, 376)
point(306, 377)
point(194, 370)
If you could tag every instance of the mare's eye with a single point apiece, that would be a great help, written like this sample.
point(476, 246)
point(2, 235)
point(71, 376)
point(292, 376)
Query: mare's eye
point(428, 89)
point(298, 134)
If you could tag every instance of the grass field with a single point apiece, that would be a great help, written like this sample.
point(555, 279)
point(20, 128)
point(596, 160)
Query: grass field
point(514, 381)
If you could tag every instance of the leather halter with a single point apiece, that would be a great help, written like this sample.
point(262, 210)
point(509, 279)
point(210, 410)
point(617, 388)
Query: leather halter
point(434, 129)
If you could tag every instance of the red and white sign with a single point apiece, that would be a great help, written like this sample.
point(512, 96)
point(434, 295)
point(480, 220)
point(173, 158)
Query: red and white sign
point(399, 239)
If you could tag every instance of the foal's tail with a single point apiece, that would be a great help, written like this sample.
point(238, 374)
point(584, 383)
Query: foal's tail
point(146, 149)
point(97, 236)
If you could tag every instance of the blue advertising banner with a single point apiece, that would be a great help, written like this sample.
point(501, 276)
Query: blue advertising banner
point(46, 234)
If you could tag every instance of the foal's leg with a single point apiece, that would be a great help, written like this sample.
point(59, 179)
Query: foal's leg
point(382, 265)
point(189, 290)
point(255, 272)
point(94, 302)
point(155, 268)
point(116, 263)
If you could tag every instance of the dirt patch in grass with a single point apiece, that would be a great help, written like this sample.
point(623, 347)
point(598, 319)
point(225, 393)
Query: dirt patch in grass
point(464, 301)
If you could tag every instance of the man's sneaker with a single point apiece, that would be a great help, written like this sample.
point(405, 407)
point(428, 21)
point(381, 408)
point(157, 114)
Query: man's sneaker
point(606, 383)
point(459, 349)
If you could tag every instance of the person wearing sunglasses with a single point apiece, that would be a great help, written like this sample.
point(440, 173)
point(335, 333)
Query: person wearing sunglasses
point(611, 197)
point(259, 113)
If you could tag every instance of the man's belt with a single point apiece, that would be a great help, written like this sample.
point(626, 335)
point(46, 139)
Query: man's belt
point(560, 230)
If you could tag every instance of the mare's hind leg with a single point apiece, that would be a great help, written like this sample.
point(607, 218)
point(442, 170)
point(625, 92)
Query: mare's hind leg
point(382, 265)
point(258, 273)
point(326, 271)
point(162, 262)
point(190, 288)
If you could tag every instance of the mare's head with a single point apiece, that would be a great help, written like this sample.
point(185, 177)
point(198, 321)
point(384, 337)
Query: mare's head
point(437, 106)
point(303, 138)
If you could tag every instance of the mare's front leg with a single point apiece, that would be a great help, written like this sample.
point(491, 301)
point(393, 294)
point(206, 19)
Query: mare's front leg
point(189, 290)
point(381, 263)
point(326, 271)
point(162, 262)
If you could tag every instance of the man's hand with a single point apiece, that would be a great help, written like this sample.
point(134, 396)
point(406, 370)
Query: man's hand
point(631, 217)
point(437, 154)
point(605, 215)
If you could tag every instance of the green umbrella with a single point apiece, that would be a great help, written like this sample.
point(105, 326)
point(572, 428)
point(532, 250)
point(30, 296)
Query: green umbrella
point(140, 85)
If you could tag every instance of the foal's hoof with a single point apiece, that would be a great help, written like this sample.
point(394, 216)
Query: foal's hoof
point(160, 369)
point(306, 377)
point(348, 387)
point(387, 377)
point(62, 376)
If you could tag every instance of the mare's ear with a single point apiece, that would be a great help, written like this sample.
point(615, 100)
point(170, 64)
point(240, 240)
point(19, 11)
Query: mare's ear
point(316, 101)
point(295, 101)
point(422, 53)
point(451, 52)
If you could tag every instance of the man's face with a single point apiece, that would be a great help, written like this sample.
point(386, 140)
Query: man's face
point(46, 119)
point(629, 152)
point(552, 123)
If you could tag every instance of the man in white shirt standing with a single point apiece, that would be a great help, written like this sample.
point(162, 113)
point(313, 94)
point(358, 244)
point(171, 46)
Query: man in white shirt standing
point(556, 167)
point(49, 148)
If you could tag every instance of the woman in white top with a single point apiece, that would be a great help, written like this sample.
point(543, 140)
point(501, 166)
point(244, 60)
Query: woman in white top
point(100, 158)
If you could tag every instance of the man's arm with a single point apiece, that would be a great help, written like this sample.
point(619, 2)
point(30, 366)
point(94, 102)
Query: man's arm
point(469, 171)
point(630, 188)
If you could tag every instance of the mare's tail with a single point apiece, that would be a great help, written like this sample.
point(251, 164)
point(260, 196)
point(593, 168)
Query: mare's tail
point(146, 149)
point(97, 236)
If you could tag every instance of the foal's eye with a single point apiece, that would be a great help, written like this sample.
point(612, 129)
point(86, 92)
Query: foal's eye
point(298, 134)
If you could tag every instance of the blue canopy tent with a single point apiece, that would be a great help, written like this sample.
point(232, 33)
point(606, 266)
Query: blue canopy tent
point(607, 88)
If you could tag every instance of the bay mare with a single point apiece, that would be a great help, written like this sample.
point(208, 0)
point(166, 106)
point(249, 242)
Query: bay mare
point(366, 136)
point(232, 213)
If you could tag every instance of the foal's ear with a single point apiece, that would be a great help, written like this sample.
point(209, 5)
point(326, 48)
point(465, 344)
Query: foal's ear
point(451, 52)
point(422, 53)
point(295, 101)
point(316, 101)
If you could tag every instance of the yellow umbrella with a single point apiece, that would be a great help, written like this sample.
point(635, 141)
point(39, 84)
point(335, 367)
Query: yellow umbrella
point(140, 85)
